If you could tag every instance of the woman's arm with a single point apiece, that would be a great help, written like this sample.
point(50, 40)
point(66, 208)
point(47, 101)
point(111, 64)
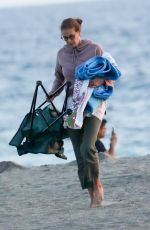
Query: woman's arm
point(59, 79)
point(99, 52)
point(97, 81)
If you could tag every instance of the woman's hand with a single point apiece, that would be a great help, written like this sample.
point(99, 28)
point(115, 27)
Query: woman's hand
point(96, 82)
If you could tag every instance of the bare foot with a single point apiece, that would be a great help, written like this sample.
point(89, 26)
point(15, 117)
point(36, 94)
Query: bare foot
point(90, 190)
point(100, 188)
point(97, 194)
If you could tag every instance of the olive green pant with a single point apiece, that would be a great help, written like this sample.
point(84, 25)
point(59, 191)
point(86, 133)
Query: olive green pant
point(83, 141)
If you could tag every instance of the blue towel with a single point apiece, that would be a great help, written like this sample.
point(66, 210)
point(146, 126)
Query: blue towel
point(102, 92)
point(92, 104)
point(99, 93)
point(97, 66)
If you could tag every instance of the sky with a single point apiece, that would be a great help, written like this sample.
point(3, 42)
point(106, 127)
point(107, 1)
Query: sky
point(14, 3)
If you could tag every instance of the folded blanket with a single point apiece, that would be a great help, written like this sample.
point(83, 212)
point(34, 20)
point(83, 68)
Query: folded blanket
point(97, 66)
point(110, 58)
point(102, 92)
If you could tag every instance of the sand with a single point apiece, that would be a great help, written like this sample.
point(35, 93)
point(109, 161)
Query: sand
point(49, 197)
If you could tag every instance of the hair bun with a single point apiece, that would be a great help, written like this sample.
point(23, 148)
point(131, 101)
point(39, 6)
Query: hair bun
point(71, 23)
point(79, 20)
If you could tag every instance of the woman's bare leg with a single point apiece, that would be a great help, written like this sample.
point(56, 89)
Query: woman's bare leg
point(97, 194)
point(90, 190)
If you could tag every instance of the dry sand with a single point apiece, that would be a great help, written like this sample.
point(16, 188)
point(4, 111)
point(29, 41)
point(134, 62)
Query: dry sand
point(49, 197)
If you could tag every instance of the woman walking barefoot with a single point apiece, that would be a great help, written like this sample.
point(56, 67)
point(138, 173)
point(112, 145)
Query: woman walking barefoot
point(76, 51)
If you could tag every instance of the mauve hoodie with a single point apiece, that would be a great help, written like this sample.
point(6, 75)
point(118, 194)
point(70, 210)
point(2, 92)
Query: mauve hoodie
point(67, 60)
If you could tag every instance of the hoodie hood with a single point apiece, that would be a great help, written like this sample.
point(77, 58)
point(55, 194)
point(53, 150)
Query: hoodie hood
point(84, 43)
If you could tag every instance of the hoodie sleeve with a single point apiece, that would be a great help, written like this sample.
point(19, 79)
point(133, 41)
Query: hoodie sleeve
point(59, 78)
point(100, 51)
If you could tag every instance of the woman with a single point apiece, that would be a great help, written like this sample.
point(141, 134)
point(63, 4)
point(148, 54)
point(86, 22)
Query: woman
point(75, 52)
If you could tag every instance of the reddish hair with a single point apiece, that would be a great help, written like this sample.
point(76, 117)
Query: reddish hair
point(70, 23)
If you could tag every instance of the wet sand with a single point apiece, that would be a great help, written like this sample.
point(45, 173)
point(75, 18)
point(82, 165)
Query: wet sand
point(49, 197)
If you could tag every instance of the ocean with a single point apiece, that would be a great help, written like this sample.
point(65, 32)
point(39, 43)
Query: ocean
point(29, 41)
